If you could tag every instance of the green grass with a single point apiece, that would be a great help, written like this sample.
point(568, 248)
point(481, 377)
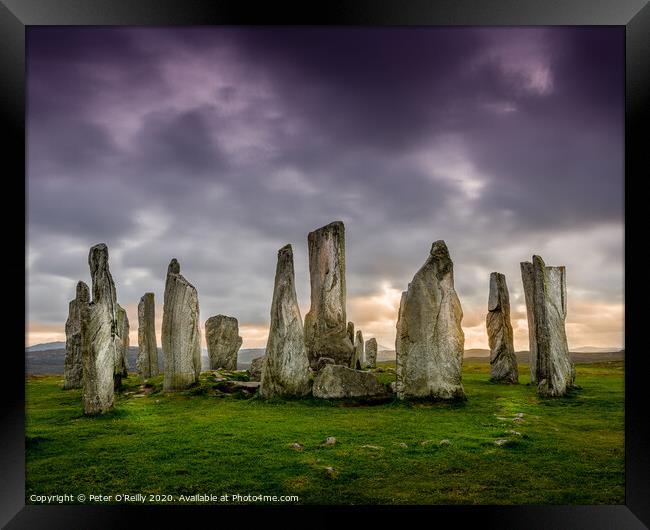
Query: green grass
point(569, 451)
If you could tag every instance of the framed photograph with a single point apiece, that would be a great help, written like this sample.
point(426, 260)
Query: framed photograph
point(365, 257)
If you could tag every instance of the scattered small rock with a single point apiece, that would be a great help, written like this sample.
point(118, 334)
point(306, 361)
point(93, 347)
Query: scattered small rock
point(330, 440)
point(297, 446)
point(500, 442)
point(501, 419)
point(516, 433)
point(444, 442)
point(371, 447)
point(331, 472)
point(518, 420)
point(519, 415)
point(403, 445)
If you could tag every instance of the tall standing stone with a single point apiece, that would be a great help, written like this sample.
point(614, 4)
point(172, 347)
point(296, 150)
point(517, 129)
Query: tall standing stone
point(528, 280)
point(285, 369)
point(430, 340)
point(147, 363)
point(371, 353)
point(555, 372)
point(351, 331)
point(503, 362)
point(359, 358)
point(121, 346)
point(222, 337)
point(181, 339)
point(98, 335)
point(325, 323)
point(73, 366)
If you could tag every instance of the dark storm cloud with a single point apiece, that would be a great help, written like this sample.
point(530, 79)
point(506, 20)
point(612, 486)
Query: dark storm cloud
point(219, 145)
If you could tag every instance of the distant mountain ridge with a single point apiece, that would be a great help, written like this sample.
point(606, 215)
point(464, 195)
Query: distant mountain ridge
point(46, 346)
point(41, 359)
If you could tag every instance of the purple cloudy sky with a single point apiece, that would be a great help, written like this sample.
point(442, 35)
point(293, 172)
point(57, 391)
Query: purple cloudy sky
point(219, 145)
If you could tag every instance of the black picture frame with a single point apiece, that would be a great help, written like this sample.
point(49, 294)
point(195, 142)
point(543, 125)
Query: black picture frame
point(17, 15)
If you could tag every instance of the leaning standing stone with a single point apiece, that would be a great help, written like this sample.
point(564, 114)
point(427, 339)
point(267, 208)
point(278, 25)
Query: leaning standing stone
point(350, 330)
point(555, 370)
point(285, 370)
point(371, 353)
point(73, 367)
point(503, 362)
point(430, 340)
point(98, 335)
point(181, 339)
point(222, 337)
point(121, 347)
point(325, 324)
point(147, 363)
point(358, 359)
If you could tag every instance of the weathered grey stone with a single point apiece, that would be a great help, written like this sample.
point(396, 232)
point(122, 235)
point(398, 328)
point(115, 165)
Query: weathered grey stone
point(325, 323)
point(555, 371)
point(503, 362)
point(350, 330)
point(222, 337)
point(181, 339)
point(98, 335)
point(121, 346)
point(528, 280)
point(147, 361)
point(73, 366)
point(371, 353)
point(323, 362)
point(285, 371)
point(430, 340)
point(336, 381)
point(255, 369)
point(358, 359)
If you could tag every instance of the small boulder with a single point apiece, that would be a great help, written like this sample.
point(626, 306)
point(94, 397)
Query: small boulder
point(255, 369)
point(330, 440)
point(336, 381)
point(323, 362)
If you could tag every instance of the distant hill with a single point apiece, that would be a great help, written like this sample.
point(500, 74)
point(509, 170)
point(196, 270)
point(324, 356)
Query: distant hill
point(45, 359)
point(593, 349)
point(46, 346)
point(41, 359)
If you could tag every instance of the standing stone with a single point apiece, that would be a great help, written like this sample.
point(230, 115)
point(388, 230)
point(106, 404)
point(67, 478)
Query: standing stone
point(73, 366)
point(147, 362)
point(371, 353)
point(121, 347)
point(285, 370)
point(358, 359)
point(528, 280)
point(555, 372)
point(503, 362)
point(351, 331)
point(222, 337)
point(181, 339)
point(430, 340)
point(98, 335)
point(325, 323)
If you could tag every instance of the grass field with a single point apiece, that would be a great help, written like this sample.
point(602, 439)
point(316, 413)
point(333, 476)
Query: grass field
point(566, 450)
